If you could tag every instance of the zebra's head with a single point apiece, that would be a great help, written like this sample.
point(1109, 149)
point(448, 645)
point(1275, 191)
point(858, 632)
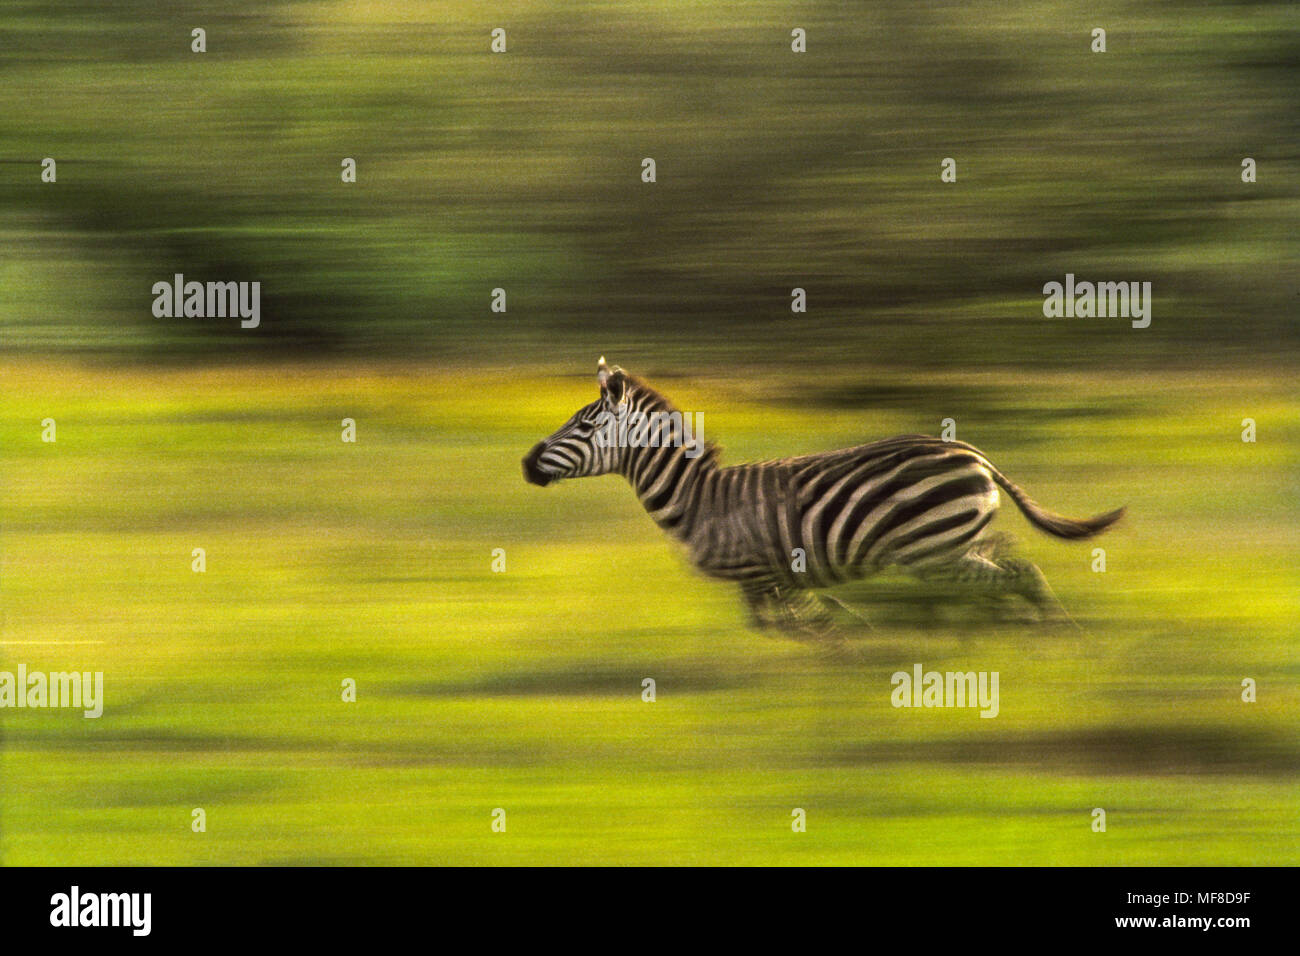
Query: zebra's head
point(576, 451)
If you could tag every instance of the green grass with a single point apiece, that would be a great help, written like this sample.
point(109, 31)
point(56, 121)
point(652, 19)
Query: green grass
point(522, 689)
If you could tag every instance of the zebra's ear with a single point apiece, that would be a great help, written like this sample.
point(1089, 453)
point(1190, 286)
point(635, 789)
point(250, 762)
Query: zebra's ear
point(613, 382)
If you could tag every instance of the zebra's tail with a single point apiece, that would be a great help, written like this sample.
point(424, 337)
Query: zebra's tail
point(1072, 529)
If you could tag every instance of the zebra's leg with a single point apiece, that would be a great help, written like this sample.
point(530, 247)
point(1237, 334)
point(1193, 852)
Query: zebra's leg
point(807, 613)
point(834, 604)
point(758, 602)
point(811, 618)
point(993, 545)
point(799, 614)
point(793, 610)
point(1030, 583)
point(999, 576)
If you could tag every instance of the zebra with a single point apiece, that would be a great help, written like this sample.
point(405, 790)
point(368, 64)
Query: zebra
point(783, 530)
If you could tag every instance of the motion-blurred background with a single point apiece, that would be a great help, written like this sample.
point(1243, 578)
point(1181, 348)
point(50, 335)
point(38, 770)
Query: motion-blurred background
point(775, 170)
point(522, 171)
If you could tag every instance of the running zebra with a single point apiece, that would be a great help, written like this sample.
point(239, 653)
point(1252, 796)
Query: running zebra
point(782, 529)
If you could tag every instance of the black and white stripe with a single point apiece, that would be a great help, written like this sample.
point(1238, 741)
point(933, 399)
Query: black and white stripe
point(917, 502)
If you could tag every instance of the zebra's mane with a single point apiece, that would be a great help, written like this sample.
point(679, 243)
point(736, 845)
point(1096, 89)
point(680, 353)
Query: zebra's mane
point(654, 400)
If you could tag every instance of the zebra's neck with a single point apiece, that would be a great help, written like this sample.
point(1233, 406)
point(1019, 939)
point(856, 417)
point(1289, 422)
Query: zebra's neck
point(668, 474)
point(670, 484)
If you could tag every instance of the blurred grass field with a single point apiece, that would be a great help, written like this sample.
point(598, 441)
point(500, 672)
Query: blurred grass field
point(522, 689)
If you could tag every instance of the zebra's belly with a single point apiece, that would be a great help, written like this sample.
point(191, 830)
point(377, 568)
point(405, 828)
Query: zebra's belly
point(734, 560)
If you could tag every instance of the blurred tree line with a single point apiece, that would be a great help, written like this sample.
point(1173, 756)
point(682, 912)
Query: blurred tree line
point(775, 170)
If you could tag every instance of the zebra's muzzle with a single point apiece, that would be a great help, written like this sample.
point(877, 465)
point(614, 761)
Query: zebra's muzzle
point(532, 473)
